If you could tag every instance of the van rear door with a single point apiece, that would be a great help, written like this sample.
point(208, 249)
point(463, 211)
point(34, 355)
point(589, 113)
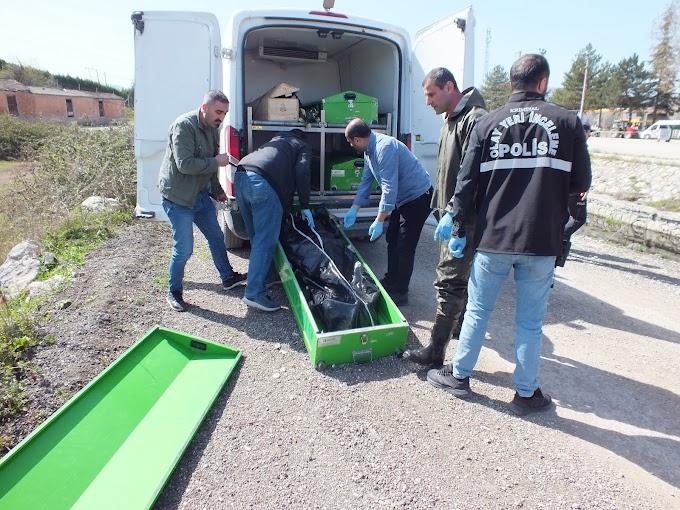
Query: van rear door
point(178, 58)
point(448, 43)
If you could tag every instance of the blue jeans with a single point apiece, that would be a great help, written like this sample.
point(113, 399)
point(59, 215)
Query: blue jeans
point(533, 278)
point(182, 218)
point(262, 213)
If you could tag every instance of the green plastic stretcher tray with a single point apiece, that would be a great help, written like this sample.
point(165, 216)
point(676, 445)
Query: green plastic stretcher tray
point(116, 442)
point(386, 338)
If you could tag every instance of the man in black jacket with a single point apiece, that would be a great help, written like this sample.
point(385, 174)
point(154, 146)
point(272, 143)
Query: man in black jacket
point(523, 161)
point(265, 183)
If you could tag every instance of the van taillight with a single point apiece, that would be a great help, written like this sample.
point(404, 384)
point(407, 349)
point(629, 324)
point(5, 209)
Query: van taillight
point(328, 13)
point(408, 141)
point(234, 149)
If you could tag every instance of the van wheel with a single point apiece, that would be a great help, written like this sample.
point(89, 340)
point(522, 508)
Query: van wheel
point(231, 240)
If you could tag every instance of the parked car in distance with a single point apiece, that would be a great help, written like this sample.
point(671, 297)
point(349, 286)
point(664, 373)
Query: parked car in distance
point(623, 129)
point(659, 128)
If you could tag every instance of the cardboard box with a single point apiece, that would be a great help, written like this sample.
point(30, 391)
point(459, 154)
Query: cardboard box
point(278, 103)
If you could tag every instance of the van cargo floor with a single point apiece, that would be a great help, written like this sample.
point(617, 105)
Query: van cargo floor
point(116, 442)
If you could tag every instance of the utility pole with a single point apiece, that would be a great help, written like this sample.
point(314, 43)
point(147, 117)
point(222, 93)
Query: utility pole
point(486, 51)
point(583, 93)
point(96, 71)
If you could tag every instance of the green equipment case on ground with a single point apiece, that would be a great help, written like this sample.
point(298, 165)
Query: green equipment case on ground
point(386, 338)
point(116, 442)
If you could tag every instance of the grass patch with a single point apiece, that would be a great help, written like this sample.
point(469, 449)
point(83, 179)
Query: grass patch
point(612, 222)
point(64, 165)
point(670, 205)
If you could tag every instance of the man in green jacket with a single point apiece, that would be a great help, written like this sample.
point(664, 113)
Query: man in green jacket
point(462, 110)
point(187, 181)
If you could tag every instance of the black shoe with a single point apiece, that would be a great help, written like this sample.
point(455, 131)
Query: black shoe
point(445, 380)
point(387, 285)
point(176, 301)
point(537, 403)
point(428, 355)
point(399, 298)
point(234, 280)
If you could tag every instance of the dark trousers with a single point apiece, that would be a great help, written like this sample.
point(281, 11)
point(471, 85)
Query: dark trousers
point(403, 233)
point(451, 286)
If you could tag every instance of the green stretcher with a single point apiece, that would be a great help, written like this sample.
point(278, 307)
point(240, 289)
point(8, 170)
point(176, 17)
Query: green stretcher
point(116, 442)
point(359, 345)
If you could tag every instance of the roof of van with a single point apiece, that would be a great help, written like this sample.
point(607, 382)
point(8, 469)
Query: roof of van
point(317, 15)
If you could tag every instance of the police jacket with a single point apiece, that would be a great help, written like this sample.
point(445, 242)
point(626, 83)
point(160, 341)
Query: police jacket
point(284, 163)
point(522, 162)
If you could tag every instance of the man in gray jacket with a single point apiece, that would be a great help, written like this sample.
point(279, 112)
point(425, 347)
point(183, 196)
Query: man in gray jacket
point(462, 110)
point(187, 181)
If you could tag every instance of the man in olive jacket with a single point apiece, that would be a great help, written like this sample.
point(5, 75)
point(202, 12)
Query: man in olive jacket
point(462, 110)
point(187, 181)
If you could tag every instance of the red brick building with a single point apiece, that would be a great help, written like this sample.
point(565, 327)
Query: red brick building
point(60, 104)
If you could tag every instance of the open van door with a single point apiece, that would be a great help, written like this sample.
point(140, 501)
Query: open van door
point(178, 58)
point(448, 43)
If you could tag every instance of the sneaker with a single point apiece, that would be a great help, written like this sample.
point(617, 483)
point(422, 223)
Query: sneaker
point(271, 283)
point(234, 280)
point(444, 379)
point(537, 403)
point(387, 285)
point(399, 298)
point(176, 301)
point(262, 302)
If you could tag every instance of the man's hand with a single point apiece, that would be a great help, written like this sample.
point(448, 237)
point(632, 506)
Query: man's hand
point(376, 229)
point(350, 217)
point(222, 159)
point(221, 198)
point(443, 230)
point(307, 216)
point(456, 246)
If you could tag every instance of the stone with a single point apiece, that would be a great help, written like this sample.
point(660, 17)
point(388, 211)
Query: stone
point(20, 268)
point(36, 289)
point(101, 204)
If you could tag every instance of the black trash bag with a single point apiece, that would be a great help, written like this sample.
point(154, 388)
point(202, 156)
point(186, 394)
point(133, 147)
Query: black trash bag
point(341, 293)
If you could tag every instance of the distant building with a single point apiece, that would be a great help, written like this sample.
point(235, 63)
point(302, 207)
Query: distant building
point(60, 104)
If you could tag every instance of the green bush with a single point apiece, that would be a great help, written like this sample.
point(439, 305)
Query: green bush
point(71, 165)
point(20, 138)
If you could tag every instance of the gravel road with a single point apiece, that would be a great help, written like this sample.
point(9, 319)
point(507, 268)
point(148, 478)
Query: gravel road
point(376, 435)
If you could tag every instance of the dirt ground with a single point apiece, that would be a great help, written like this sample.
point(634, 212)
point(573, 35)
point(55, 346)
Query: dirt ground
point(285, 435)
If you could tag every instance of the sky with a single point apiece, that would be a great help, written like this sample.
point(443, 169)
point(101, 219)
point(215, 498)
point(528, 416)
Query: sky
point(94, 40)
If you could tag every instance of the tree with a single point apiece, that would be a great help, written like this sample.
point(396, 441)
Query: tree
point(665, 61)
point(27, 75)
point(569, 95)
point(496, 87)
point(633, 83)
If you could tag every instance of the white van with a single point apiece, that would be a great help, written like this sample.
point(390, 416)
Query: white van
point(660, 126)
point(181, 55)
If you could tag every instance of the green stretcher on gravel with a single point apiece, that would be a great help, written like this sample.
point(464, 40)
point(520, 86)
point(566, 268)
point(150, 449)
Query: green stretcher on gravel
point(116, 442)
point(358, 345)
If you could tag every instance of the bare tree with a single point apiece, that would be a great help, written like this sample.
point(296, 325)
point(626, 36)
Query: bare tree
point(664, 61)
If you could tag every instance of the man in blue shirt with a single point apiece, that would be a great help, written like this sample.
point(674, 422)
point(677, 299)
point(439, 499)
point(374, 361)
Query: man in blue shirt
point(406, 197)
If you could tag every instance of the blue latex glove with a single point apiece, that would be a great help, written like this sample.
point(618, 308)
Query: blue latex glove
point(443, 230)
point(375, 230)
point(456, 246)
point(307, 216)
point(350, 217)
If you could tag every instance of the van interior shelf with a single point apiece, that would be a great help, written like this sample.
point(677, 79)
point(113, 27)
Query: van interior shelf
point(324, 140)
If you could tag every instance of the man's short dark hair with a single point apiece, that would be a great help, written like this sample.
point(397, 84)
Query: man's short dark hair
point(299, 133)
point(439, 76)
point(357, 128)
point(214, 96)
point(527, 71)
point(586, 127)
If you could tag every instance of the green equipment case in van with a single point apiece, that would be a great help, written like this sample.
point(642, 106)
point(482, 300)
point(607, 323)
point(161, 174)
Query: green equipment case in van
point(342, 107)
point(344, 174)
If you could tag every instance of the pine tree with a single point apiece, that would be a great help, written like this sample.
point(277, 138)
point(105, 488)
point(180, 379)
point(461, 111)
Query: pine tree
point(496, 88)
point(665, 61)
point(634, 85)
point(569, 94)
